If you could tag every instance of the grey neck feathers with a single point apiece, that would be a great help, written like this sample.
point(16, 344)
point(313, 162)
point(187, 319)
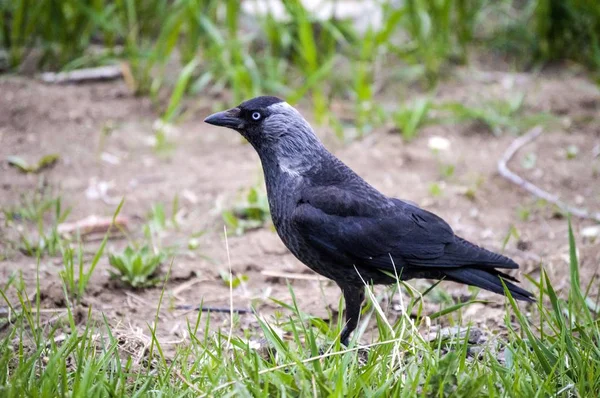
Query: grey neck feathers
point(293, 146)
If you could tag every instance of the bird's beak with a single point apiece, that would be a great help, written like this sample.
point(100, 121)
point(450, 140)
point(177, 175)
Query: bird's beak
point(229, 118)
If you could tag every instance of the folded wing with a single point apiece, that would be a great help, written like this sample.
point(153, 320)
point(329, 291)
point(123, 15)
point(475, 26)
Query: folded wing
point(371, 231)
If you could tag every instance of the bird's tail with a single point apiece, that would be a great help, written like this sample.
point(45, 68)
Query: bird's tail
point(488, 279)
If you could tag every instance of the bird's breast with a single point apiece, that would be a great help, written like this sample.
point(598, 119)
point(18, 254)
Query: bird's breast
point(283, 193)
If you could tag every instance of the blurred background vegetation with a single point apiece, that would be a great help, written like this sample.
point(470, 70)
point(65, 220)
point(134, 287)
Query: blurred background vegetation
point(359, 65)
point(247, 48)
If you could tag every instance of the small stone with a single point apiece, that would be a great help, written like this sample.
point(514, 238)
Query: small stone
point(263, 348)
point(437, 143)
point(591, 233)
point(523, 245)
point(476, 335)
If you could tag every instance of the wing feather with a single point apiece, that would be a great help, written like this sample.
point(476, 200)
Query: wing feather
point(368, 230)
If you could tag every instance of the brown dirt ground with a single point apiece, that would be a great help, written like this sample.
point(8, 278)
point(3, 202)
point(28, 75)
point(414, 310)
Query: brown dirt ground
point(210, 167)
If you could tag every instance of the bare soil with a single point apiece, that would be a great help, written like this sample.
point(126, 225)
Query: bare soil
point(210, 168)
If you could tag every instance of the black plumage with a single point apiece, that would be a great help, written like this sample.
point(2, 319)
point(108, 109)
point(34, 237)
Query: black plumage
point(343, 228)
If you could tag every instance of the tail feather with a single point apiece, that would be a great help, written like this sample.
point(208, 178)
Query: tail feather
point(488, 279)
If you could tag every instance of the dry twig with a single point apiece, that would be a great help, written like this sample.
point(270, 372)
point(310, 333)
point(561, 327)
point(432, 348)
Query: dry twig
point(221, 310)
point(187, 383)
point(185, 286)
point(530, 187)
point(102, 73)
point(93, 225)
point(291, 275)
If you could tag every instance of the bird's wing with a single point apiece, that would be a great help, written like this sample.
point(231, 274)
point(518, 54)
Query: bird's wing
point(355, 226)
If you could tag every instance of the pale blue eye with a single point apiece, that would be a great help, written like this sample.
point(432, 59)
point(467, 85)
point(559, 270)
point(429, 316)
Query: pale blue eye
point(256, 115)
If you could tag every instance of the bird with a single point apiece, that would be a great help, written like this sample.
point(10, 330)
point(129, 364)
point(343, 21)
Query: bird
point(342, 227)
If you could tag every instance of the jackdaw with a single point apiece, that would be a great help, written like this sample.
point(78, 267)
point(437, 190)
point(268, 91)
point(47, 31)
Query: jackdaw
point(343, 228)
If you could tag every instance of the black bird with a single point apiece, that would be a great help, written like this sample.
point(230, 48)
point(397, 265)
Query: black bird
point(341, 227)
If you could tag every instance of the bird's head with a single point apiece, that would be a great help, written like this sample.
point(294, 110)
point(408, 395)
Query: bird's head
point(271, 125)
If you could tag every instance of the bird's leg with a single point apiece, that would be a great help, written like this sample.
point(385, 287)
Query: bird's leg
point(353, 296)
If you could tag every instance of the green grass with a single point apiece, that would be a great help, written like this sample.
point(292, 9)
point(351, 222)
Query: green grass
point(252, 213)
point(409, 119)
point(38, 214)
point(544, 31)
point(137, 268)
point(496, 116)
point(549, 349)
